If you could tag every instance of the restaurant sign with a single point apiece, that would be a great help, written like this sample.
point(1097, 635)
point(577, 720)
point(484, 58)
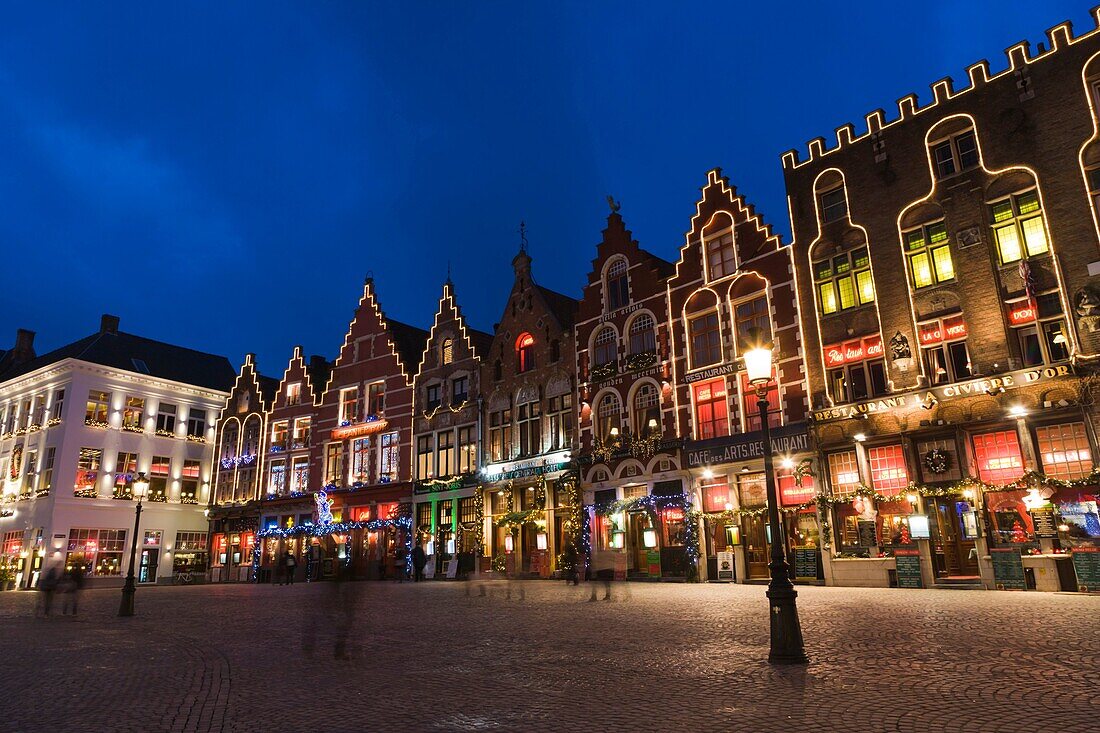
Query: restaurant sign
point(710, 373)
point(358, 430)
point(919, 398)
point(549, 463)
point(786, 440)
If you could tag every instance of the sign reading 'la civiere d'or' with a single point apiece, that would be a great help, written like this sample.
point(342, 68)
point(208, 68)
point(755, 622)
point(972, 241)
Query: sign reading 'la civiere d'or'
point(946, 392)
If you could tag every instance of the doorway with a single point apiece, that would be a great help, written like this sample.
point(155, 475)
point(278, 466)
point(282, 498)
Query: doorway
point(149, 560)
point(953, 545)
point(755, 542)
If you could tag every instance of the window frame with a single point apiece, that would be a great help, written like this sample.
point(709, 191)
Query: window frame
point(834, 209)
point(1016, 221)
point(856, 273)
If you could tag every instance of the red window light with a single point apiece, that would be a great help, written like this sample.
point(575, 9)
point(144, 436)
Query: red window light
point(711, 414)
point(525, 352)
point(889, 474)
point(998, 456)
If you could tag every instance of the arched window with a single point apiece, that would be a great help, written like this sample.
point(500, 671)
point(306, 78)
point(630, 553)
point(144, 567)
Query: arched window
point(618, 286)
point(525, 352)
point(608, 416)
point(250, 446)
point(703, 333)
point(229, 440)
point(721, 258)
point(843, 281)
point(446, 351)
point(647, 410)
point(604, 346)
point(643, 339)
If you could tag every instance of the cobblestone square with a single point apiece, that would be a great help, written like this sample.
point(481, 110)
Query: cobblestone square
point(656, 657)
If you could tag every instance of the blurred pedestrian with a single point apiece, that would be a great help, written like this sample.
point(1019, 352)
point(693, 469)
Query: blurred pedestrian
point(280, 569)
point(291, 566)
point(400, 566)
point(420, 559)
point(570, 559)
point(47, 586)
point(73, 584)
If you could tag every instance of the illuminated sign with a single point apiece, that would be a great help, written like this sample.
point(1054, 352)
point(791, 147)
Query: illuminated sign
point(710, 373)
point(849, 352)
point(1021, 312)
point(359, 429)
point(913, 400)
point(787, 439)
point(548, 463)
point(948, 329)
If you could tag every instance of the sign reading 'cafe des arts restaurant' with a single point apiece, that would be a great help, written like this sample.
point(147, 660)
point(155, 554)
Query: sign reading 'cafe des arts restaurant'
point(786, 441)
point(932, 395)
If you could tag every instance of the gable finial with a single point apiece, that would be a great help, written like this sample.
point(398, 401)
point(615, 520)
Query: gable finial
point(449, 272)
point(523, 236)
point(613, 204)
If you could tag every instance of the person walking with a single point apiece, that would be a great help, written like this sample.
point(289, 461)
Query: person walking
point(420, 559)
point(280, 569)
point(74, 582)
point(48, 585)
point(400, 569)
point(291, 566)
point(571, 562)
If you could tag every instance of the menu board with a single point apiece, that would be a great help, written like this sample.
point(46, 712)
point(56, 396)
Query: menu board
point(867, 534)
point(1008, 568)
point(1086, 562)
point(805, 563)
point(908, 568)
point(725, 565)
point(1043, 519)
point(653, 560)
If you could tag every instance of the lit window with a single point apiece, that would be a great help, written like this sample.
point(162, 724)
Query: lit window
point(929, 255)
point(843, 472)
point(646, 409)
point(889, 474)
point(525, 352)
point(1064, 450)
point(279, 432)
point(132, 413)
point(711, 411)
point(561, 421)
point(844, 281)
point(294, 393)
point(609, 416)
point(1018, 227)
point(943, 346)
point(445, 453)
point(446, 351)
point(349, 405)
point(998, 456)
point(618, 286)
point(96, 411)
point(721, 259)
point(834, 205)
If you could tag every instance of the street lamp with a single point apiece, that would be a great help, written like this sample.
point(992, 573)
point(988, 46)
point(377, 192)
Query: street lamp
point(140, 489)
point(786, 632)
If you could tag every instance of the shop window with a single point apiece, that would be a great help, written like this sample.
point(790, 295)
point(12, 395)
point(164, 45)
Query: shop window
point(425, 468)
point(943, 348)
point(889, 474)
point(711, 410)
point(1011, 522)
point(998, 456)
point(646, 410)
point(833, 205)
point(716, 495)
point(672, 521)
point(467, 510)
point(893, 516)
point(618, 285)
point(608, 416)
point(790, 493)
point(929, 255)
point(1018, 227)
point(1064, 450)
point(751, 403)
point(349, 405)
point(721, 255)
point(1078, 516)
point(604, 346)
point(389, 456)
point(844, 282)
point(956, 154)
point(424, 517)
point(643, 335)
point(843, 472)
point(525, 353)
point(96, 552)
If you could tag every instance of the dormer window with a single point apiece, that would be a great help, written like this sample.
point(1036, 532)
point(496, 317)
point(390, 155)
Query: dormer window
point(525, 353)
point(834, 205)
point(956, 154)
point(618, 286)
point(294, 393)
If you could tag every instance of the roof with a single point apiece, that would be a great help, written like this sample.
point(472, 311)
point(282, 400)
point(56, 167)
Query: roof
point(269, 387)
point(120, 350)
point(409, 343)
point(664, 267)
point(562, 306)
point(483, 342)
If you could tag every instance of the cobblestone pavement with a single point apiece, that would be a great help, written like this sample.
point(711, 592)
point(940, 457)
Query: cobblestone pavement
point(657, 657)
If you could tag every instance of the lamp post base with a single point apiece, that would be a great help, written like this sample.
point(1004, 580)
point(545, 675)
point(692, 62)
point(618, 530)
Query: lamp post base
point(126, 606)
point(786, 632)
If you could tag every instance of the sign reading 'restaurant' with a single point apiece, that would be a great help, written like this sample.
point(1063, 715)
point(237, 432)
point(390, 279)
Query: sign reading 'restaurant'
point(359, 429)
point(850, 352)
point(786, 440)
point(919, 398)
point(717, 371)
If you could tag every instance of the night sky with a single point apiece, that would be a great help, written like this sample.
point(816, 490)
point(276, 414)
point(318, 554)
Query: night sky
point(223, 177)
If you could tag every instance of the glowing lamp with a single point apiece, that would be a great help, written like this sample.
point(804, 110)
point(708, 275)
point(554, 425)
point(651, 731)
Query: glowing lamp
point(912, 499)
point(787, 463)
point(758, 364)
point(614, 432)
point(541, 541)
point(729, 507)
point(141, 487)
point(1033, 499)
point(860, 437)
point(509, 543)
point(1059, 338)
point(708, 474)
point(649, 538)
point(969, 494)
point(618, 539)
point(450, 547)
point(653, 421)
point(1017, 411)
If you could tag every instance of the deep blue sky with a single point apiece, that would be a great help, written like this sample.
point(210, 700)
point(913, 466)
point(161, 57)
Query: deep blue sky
point(222, 177)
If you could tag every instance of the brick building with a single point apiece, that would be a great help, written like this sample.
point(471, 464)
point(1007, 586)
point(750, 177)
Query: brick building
point(448, 512)
point(947, 262)
point(628, 440)
point(529, 417)
point(733, 276)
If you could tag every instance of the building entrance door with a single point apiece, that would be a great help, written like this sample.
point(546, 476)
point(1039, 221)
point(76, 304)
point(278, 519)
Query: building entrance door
point(639, 556)
point(148, 571)
point(957, 557)
point(755, 542)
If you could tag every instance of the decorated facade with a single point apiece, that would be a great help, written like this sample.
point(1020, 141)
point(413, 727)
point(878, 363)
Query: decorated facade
point(947, 270)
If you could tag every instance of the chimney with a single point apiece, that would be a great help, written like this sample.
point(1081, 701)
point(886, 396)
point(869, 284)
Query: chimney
point(24, 346)
point(108, 323)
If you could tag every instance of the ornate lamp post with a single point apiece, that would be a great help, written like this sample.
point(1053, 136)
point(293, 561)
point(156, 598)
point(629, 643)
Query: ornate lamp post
point(126, 607)
point(786, 632)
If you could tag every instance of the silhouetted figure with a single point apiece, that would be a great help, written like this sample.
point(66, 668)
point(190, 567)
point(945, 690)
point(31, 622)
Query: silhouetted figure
point(420, 559)
point(571, 561)
point(400, 565)
point(48, 585)
point(74, 583)
point(291, 566)
point(280, 569)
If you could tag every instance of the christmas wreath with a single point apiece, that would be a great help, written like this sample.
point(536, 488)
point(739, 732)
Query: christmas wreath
point(937, 460)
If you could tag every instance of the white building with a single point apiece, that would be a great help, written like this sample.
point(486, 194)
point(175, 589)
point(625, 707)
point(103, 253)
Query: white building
point(77, 426)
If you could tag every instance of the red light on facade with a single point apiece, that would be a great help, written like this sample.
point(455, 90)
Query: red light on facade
point(674, 514)
point(1021, 312)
